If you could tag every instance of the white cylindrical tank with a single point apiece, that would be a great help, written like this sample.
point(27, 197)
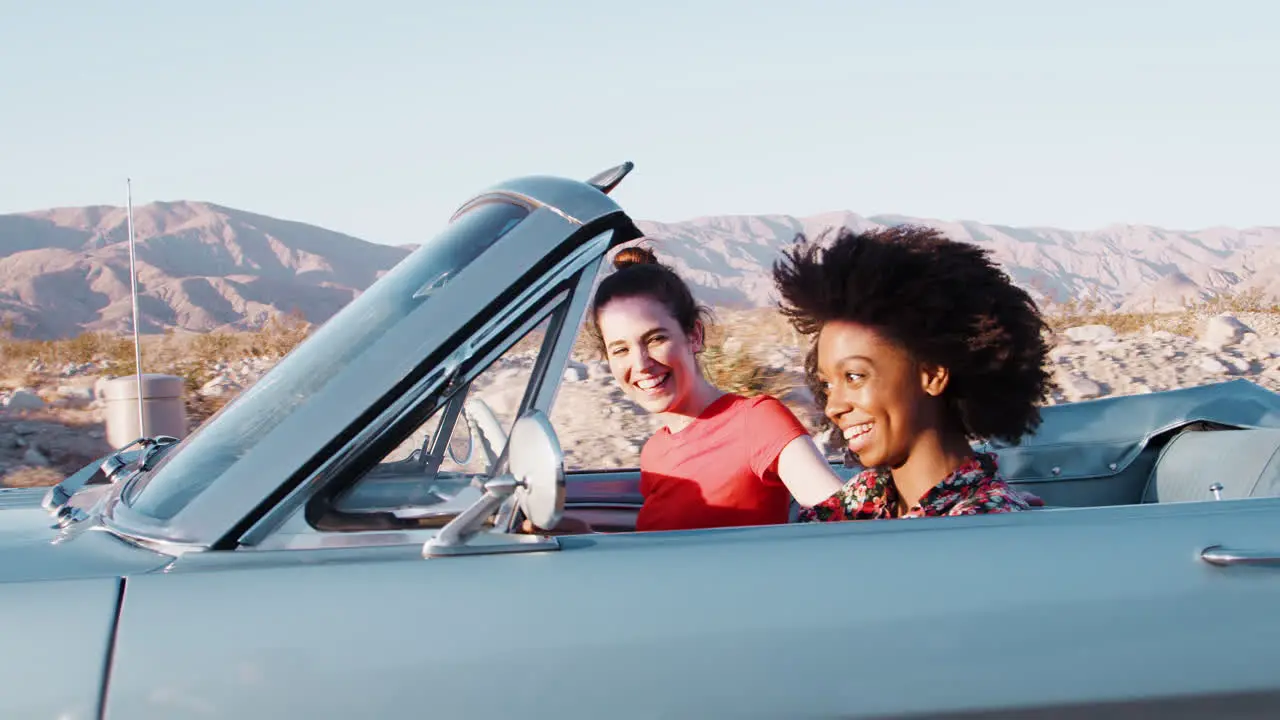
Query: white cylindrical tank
point(163, 412)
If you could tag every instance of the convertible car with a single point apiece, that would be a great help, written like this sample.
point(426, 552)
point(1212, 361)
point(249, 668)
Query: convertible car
point(346, 539)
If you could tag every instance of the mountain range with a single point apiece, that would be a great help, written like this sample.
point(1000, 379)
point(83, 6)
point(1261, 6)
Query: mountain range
point(203, 266)
point(1127, 267)
point(200, 267)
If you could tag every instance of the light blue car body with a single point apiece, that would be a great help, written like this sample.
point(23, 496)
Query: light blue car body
point(239, 575)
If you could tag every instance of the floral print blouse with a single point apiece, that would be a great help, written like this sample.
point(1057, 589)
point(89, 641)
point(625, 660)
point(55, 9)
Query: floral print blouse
point(974, 488)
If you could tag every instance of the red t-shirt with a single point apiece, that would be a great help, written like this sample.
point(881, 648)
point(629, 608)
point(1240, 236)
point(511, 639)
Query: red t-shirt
point(721, 470)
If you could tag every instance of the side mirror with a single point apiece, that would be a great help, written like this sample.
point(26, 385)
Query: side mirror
point(536, 481)
point(537, 462)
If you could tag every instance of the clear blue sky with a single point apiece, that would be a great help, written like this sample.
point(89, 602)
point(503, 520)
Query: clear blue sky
point(378, 118)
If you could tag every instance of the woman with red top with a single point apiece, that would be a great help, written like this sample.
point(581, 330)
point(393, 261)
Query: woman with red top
point(921, 345)
point(720, 459)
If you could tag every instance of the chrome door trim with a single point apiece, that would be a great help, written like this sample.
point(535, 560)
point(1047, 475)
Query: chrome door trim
point(593, 505)
point(1223, 557)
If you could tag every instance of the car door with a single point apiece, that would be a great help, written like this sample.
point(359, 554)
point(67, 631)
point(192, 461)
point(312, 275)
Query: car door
point(57, 637)
point(1075, 611)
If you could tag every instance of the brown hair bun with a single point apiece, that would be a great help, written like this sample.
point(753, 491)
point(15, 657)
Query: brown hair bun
point(634, 255)
point(639, 274)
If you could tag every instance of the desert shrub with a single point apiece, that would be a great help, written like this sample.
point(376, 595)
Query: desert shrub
point(116, 350)
point(1186, 321)
point(200, 408)
point(731, 367)
point(82, 348)
point(1247, 301)
point(1121, 322)
point(584, 348)
point(28, 477)
point(18, 353)
point(213, 347)
point(278, 336)
point(194, 373)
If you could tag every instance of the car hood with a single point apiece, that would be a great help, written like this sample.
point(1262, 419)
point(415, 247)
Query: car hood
point(32, 549)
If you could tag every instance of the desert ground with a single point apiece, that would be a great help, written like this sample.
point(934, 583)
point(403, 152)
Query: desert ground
point(52, 412)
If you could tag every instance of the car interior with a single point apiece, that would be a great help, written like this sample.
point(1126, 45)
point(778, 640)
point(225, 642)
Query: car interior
point(1206, 443)
point(1183, 464)
point(1194, 455)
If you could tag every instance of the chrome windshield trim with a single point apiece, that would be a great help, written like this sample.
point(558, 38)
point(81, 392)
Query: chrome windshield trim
point(209, 517)
point(537, 294)
point(410, 402)
point(295, 440)
point(172, 548)
point(107, 521)
point(518, 197)
point(570, 266)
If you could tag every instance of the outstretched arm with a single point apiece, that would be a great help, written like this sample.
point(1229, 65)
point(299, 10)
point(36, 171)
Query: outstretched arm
point(806, 472)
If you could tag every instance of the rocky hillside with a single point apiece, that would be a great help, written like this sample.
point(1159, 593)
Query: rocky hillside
point(204, 267)
point(1134, 267)
point(53, 424)
point(200, 267)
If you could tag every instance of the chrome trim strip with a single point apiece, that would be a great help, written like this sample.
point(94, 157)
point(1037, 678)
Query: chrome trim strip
point(1222, 557)
point(521, 198)
point(548, 385)
point(576, 261)
point(492, 544)
point(172, 548)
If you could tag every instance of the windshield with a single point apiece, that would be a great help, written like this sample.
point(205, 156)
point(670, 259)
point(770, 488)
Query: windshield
point(190, 468)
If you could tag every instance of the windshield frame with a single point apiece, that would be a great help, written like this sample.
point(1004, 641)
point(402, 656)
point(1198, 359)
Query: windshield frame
point(345, 340)
point(424, 350)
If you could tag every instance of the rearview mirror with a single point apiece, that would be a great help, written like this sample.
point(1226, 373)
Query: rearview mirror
point(461, 446)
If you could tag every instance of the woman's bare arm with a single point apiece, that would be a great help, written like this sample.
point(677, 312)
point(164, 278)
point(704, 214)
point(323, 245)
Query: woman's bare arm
point(806, 472)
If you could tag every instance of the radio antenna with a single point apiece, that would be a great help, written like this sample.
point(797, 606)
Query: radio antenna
point(133, 283)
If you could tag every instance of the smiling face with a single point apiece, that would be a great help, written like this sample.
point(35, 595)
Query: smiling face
point(649, 354)
point(881, 398)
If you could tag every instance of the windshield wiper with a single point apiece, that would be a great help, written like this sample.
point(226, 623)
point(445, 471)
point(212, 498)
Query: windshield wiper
point(108, 471)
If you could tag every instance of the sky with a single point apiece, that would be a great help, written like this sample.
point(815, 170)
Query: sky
point(378, 118)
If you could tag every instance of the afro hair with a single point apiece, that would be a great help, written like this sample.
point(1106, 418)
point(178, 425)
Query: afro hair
point(946, 302)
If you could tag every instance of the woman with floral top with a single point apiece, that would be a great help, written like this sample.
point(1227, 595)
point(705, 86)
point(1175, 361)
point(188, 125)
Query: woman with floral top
point(921, 344)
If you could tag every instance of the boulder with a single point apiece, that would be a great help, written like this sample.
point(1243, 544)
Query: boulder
point(1237, 364)
point(575, 372)
point(1214, 365)
point(1079, 387)
point(74, 395)
point(24, 399)
point(598, 370)
point(1090, 333)
point(220, 386)
point(34, 457)
point(1222, 331)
